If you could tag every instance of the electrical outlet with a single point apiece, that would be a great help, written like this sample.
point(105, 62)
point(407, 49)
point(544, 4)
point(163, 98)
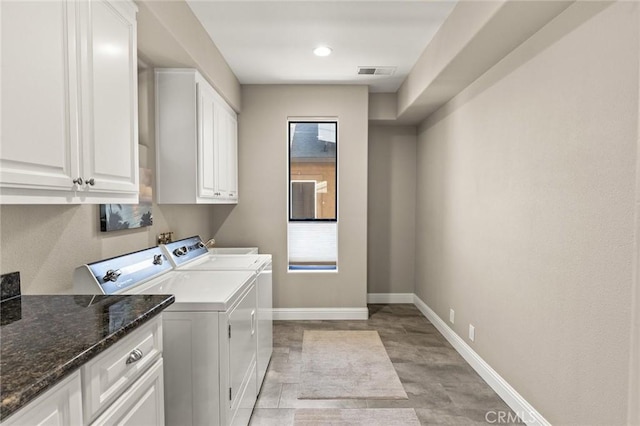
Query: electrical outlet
point(452, 316)
point(472, 333)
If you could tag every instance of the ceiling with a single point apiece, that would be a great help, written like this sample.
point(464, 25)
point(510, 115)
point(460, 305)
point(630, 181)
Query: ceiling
point(272, 42)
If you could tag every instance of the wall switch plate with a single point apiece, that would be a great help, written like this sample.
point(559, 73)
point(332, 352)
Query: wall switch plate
point(472, 333)
point(452, 316)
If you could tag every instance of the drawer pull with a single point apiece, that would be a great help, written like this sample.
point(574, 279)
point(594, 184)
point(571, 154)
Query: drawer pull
point(134, 356)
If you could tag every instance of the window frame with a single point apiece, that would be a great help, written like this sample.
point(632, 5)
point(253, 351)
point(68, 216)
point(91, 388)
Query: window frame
point(289, 144)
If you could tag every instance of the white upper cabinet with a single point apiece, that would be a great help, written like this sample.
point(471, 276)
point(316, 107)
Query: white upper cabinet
point(196, 136)
point(69, 102)
point(109, 97)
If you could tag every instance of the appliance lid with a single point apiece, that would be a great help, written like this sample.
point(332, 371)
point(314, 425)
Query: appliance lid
point(221, 262)
point(199, 290)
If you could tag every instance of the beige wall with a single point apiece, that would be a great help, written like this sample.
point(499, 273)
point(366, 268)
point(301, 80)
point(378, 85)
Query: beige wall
point(383, 108)
point(170, 35)
point(525, 213)
point(46, 243)
point(475, 36)
point(634, 370)
point(391, 212)
point(260, 218)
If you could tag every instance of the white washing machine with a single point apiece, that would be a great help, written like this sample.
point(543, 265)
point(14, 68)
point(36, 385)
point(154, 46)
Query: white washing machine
point(209, 333)
point(190, 254)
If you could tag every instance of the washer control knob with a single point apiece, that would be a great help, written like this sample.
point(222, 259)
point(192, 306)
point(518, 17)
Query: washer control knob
point(180, 251)
point(112, 275)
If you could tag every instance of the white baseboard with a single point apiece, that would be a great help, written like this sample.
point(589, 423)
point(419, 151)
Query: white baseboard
point(320, 314)
point(518, 404)
point(390, 298)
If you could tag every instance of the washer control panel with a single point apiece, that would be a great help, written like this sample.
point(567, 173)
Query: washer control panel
point(182, 251)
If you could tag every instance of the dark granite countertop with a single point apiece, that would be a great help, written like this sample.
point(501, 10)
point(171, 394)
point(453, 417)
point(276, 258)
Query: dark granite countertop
point(43, 339)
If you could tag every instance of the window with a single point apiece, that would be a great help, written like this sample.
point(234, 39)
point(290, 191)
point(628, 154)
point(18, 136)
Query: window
point(313, 158)
point(313, 195)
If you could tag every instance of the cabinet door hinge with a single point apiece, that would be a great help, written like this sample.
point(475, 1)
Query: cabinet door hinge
point(229, 331)
point(229, 394)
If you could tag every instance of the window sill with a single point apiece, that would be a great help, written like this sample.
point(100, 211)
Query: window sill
point(312, 269)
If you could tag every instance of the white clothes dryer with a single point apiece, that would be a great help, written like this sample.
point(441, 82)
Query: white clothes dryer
point(190, 254)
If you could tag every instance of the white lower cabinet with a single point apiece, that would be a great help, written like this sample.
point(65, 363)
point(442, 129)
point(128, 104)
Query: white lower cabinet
point(107, 377)
point(141, 405)
point(124, 385)
point(59, 406)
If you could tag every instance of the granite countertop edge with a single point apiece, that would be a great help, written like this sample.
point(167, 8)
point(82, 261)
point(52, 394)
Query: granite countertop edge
point(28, 394)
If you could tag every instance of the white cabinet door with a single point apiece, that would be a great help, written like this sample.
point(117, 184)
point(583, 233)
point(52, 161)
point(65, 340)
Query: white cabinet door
point(109, 96)
point(141, 405)
point(227, 156)
point(59, 406)
point(222, 154)
point(233, 158)
point(206, 138)
point(39, 143)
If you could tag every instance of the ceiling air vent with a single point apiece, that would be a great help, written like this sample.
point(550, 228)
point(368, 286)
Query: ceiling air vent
point(376, 70)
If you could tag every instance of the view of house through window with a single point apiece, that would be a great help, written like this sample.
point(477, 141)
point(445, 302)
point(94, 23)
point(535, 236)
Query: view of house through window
point(313, 190)
point(312, 168)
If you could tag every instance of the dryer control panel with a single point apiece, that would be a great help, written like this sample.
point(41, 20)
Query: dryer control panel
point(115, 275)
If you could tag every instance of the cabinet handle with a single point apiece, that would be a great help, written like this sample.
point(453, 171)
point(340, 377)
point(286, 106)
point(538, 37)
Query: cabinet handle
point(91, 181)
point(134, 356)
point(253, 322)
point(78, 181)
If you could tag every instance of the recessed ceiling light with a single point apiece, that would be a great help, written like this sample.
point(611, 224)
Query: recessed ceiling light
point(322, 51)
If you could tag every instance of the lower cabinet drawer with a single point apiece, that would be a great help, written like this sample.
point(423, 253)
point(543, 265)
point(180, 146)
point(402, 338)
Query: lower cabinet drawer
point(141, 405)
point(107, 376)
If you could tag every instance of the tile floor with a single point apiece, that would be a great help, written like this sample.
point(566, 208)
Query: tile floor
point(442, 387)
